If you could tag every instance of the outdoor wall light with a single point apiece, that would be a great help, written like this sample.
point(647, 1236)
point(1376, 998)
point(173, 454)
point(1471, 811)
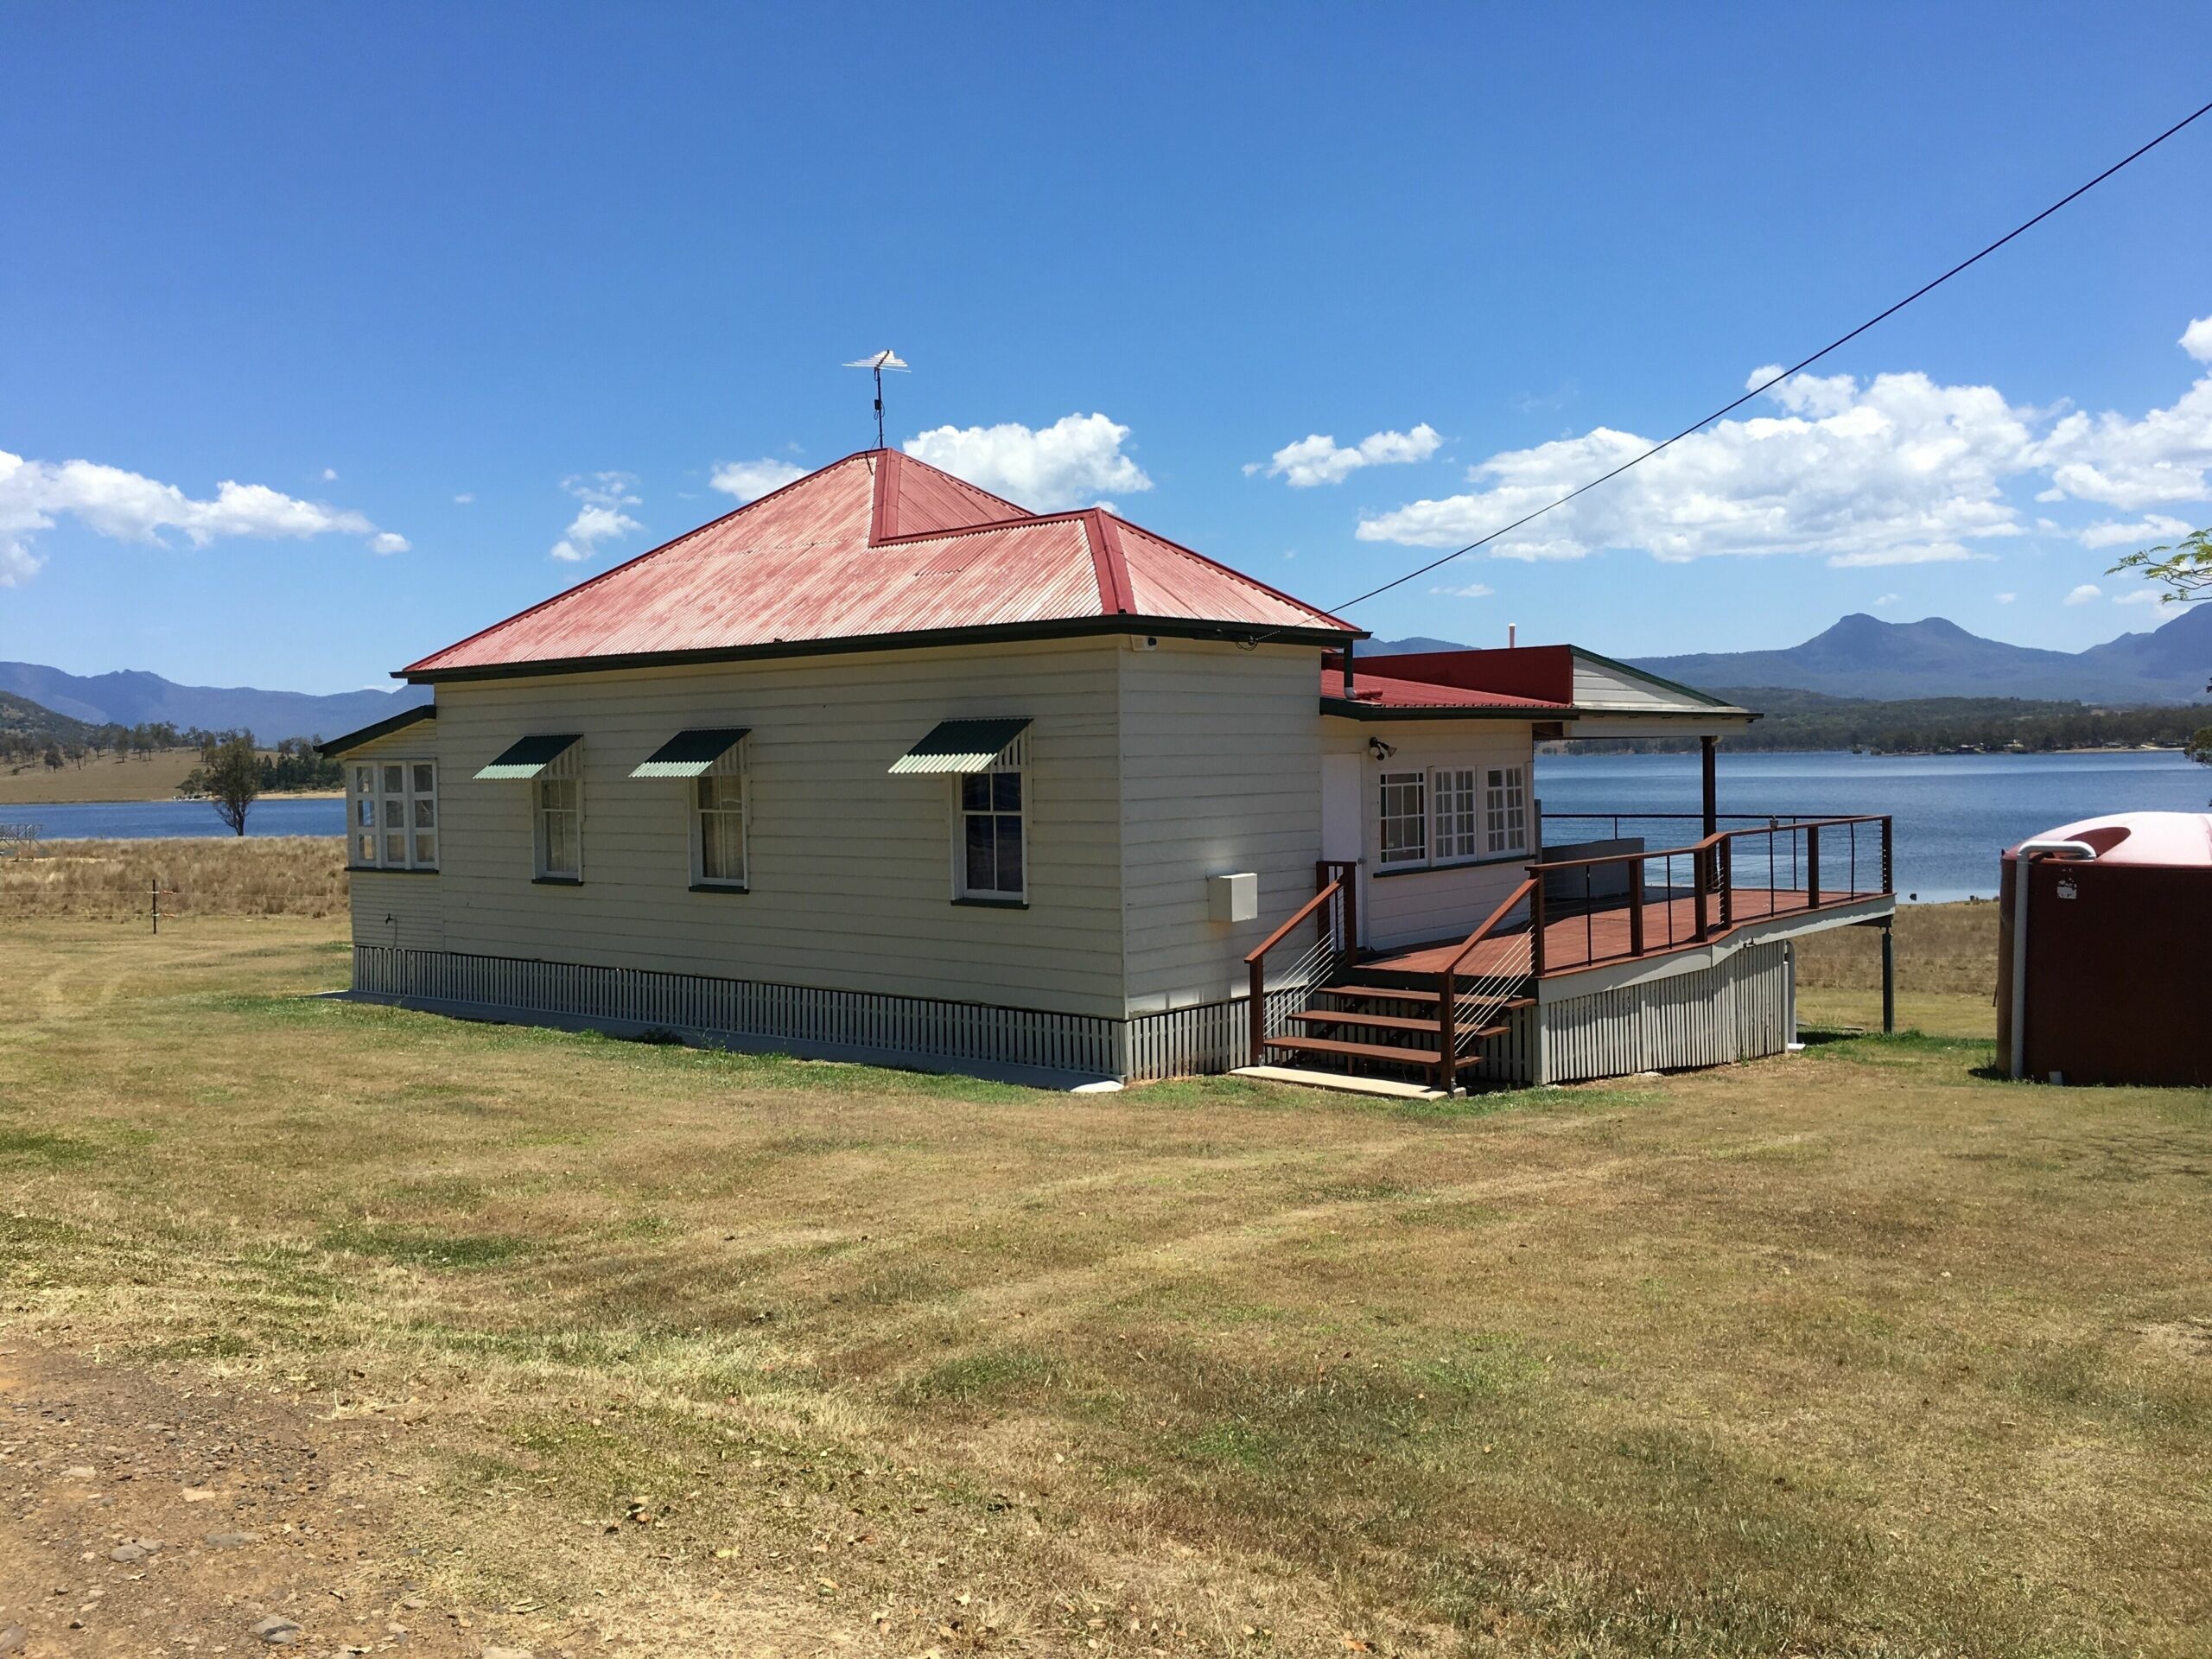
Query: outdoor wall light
point(1381, 750)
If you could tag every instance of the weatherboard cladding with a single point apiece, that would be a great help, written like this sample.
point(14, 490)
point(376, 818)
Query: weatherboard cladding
point(871, 548)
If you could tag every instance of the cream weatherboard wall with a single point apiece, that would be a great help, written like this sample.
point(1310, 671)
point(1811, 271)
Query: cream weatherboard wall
point(1413, 906)
point(849, 869)
point(1220, 772)
point(396, 907)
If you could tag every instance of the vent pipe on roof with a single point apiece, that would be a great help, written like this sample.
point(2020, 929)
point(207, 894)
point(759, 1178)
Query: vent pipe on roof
point(1512, 629)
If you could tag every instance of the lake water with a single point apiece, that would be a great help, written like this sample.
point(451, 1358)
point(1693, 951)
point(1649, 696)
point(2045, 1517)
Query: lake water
point(1954, 813)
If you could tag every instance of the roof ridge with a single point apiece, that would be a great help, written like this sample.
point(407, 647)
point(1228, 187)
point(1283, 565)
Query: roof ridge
point(1108, 562)
point(1240, 576)
point(614, 570)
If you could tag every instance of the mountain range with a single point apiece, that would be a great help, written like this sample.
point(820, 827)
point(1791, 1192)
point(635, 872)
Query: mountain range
point(132, 697)
point(1860, 657)
point(1863, 656)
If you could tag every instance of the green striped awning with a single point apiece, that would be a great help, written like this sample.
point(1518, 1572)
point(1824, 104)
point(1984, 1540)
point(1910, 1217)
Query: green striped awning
point(962, 746)
point(690, 753)
point(527, 757)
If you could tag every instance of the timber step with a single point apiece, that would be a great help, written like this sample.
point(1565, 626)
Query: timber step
point(1378, 1021)
point(1423, 1057)
point(1394, 993)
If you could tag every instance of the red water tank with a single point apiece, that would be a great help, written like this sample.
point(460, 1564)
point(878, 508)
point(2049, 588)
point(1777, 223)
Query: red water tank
point(2104, 951)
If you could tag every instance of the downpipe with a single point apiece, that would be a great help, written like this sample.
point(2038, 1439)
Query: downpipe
point(2028, 852)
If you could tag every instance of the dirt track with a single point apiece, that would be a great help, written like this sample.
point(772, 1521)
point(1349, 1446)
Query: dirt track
point(94, 1459)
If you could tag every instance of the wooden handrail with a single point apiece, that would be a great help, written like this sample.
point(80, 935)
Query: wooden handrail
point(1490, 922)
point(1302, 913)
point(1447, 999)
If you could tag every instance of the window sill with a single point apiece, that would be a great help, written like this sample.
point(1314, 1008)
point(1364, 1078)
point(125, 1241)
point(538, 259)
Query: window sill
point(556, 880)
point(389, 870)
point(719, 886)
point(1456, 864)
point(993, 903)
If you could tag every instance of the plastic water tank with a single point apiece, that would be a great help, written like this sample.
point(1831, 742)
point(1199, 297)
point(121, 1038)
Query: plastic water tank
point(2104, 963)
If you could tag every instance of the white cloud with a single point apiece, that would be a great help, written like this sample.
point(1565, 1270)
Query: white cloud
point(1473, 590)
point(2006, 599)
point(1933, 553)
point(601, 518)
point(749, 480)
point(131, 507)
point(1068, 464)
point(2157, 527)
point(1875, 474)
point(2088, 594)
point(1895, 470)
point(2137, 596)
point(330, 475)
point(1884, 601)
point(385, 541)
point(463, 498)
point(1318, 460)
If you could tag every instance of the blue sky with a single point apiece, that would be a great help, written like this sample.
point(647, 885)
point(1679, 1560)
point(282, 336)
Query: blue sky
point(499, 282)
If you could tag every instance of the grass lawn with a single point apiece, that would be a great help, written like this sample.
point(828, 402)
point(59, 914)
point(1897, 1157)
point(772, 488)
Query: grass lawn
point(641, 1349)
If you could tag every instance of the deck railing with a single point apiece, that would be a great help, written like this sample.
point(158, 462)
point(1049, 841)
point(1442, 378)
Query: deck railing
point(1464, 1011)
point(1336, 927)
point(1784, 866)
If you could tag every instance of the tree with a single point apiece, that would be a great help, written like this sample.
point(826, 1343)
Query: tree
point(232, 780)
point(2185, 567)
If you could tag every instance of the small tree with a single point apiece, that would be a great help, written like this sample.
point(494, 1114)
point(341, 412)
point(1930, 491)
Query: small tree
point(2186, 568)
point(232, 780)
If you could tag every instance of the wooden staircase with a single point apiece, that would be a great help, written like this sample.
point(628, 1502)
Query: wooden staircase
point(1367, 1025)
point(1324, 1012)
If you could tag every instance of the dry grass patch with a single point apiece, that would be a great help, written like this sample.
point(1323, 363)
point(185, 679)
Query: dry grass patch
point(220, 875)
point(1853, 1352)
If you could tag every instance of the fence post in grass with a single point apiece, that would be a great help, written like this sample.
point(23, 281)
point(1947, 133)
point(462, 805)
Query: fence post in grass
point(1889, 980)
point(154, 894)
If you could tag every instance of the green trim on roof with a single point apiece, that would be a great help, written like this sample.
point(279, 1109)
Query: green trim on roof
point(384, 728)
point(961, 745)
point(529, 756)
point(690, 753)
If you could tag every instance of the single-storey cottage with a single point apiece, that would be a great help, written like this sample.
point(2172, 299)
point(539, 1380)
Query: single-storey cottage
point(881, 765)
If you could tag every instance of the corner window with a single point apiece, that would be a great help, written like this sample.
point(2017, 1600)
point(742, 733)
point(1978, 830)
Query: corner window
point(1457, 806)
point(1405, 817)
point(1505, 809)
point(990, 856)
point(718, 823)
point(391, 814)
point(558, 808)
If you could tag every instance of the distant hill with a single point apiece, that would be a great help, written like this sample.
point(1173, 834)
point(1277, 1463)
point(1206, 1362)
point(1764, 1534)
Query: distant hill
point(1865, 657)
point(132, 697)
point(22, 715)
point(1405, 648)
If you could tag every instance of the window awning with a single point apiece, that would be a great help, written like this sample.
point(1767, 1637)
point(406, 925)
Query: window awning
point(528, 757)
point(690, 753)
point(962, 746)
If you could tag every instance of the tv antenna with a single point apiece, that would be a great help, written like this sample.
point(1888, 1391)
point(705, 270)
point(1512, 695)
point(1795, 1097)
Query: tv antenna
point(880, 362)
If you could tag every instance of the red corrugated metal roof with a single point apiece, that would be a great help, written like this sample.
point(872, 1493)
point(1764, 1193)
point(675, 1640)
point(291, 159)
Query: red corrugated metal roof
point(871, 548)
point(1386, 691)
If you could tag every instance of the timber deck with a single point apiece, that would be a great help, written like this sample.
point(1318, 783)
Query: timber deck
point(1592, 938)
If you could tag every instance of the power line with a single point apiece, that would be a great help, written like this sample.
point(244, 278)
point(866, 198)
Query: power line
point(1767, 385)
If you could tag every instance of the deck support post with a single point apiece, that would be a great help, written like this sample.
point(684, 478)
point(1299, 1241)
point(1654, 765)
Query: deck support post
point(1889, 980)
point(1708, 778)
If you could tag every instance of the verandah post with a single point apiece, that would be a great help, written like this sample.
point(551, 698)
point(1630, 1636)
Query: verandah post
point(1259, 1012)
point(1447, 1033)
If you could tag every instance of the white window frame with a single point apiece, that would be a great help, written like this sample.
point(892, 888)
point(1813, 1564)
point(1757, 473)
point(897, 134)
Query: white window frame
point(1455, 812)
point(1505, 811)
point(1012, 761)
point(729, 764)
point(365, 780)
point(1400, 858)
point(565, 767)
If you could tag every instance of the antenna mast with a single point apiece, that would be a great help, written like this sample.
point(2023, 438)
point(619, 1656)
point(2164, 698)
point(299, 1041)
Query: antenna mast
point(878, 363)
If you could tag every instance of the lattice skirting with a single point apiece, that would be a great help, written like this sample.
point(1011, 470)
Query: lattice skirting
point(1740, 1008)
point(1213, 1037)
